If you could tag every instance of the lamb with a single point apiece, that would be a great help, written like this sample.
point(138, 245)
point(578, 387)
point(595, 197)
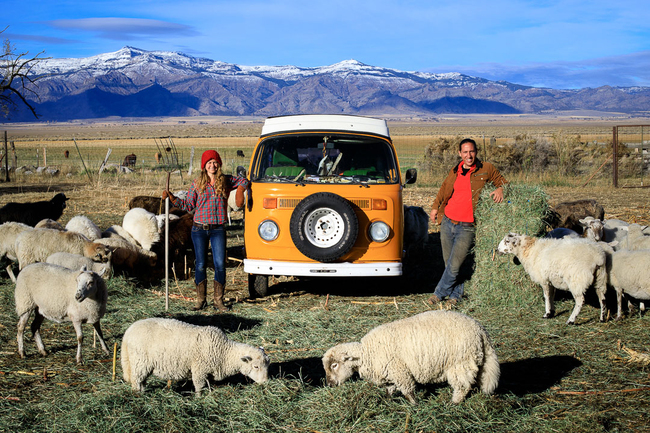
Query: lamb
point(142, 226)
point(32, 213)
point(36, 245)
point(76, 261)
point(82, 224)
point(565, 264)
point(416, 226)
point(175, 350)
point(430, 347)
point(59, 294)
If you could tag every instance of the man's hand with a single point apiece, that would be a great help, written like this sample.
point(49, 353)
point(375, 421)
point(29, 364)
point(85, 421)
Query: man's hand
point(434, 216)
point(497, 195)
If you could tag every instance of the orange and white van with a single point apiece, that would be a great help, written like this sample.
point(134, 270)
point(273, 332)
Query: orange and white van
point(325, 200)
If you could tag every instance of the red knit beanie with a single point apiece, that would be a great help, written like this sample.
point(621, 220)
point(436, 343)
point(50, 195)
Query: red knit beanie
point(208, 155)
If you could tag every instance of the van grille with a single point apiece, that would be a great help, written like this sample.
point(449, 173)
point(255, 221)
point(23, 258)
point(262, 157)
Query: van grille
point(290, 203)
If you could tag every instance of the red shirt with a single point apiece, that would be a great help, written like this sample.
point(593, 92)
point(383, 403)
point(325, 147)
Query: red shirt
point(208, 207)
point(459, 207)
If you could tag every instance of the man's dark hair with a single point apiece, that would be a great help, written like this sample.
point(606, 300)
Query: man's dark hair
point(467, 140)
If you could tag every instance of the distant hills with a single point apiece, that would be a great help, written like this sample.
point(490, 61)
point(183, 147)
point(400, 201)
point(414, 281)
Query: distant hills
point(137, 83)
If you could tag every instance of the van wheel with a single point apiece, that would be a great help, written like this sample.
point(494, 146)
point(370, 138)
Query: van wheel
point(324, 226)
point(258, 285)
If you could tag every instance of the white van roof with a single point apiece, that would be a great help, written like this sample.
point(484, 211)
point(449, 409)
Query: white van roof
point(325, 122)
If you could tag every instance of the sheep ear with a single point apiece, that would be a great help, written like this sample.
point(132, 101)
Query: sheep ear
point(246, 358)
point(83, 268)
point(101, 274)
point(349, 358)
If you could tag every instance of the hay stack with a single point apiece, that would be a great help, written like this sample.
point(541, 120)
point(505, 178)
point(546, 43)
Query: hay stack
point(496, 280)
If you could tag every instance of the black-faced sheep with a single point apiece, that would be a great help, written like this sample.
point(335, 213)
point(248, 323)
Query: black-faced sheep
point(32, 213)
point(36, 245)
point(59, 294)
point(430, 347)
point(565, 264)
point(175, 350)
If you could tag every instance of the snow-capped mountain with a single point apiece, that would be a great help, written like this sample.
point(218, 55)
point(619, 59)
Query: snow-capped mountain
point(137, 83)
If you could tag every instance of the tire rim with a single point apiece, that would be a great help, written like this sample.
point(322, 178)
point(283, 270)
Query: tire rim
point(324, 227)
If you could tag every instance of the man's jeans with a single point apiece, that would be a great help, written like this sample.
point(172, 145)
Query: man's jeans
point(217, 239)
point(456, 240)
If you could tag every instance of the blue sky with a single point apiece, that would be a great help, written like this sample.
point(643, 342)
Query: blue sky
point(546, 43)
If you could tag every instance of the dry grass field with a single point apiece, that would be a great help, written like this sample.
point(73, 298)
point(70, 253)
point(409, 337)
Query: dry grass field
point(586, 378)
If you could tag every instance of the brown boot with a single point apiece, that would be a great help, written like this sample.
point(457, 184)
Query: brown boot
point(201, 290)
point(218, 297)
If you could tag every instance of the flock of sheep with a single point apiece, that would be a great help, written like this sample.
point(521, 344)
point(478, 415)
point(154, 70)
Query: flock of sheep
point(62, 272)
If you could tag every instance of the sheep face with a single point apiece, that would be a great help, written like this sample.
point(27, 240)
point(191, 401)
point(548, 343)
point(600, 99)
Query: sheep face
point(99, 253)
point(509, 243)
point(86, 285)
point(594, 228)
point(256, 367)
point(339, 365)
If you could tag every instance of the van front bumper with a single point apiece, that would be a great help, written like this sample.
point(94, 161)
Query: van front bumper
point(270, 267)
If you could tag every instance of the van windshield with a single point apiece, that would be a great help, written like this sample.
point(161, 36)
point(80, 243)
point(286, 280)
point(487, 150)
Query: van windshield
point(332, 158)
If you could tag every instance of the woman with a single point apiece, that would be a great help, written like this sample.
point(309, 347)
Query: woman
point(208, 198)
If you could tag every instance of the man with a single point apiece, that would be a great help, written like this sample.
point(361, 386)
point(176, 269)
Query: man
point(453, 208)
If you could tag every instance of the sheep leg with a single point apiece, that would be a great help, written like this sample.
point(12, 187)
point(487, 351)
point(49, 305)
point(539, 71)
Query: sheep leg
point(80, 339)
point(22, 322)
point(579, 300)
point(98, 330)
point(461, 379)
point(619, 304)
point(36, 331)
point(549, 300)
point(404, 382)
point(11, 273)
point(199, 379)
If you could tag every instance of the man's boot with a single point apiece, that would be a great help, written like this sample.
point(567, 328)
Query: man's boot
point(201, 290)
point(218, 297)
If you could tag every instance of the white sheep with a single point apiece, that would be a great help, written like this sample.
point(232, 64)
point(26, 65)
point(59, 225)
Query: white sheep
point(565, 264)
point(142, 225)
point(636, 238)
point(77, 261)
point(38, 244)
point(628, 273)
point(175, 350)
point(119, 232)
point(59, 294)
point(430, 347)
point(9, 231)
point(82, 224)
point(160, 220)
point(49, 223)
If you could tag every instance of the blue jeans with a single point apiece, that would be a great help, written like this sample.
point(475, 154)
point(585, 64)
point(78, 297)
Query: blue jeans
point(456, 240)
point(217, 239)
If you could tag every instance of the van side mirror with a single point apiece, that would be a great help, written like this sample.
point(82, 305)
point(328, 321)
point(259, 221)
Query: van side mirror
point(411, 176)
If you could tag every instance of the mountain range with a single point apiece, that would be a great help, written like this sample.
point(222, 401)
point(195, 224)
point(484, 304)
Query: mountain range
point(136, 83)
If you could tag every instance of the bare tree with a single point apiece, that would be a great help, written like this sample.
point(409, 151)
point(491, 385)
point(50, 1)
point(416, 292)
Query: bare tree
point(16, 80)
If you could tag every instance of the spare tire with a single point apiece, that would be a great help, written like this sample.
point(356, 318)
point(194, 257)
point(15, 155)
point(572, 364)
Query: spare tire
point(324, 226)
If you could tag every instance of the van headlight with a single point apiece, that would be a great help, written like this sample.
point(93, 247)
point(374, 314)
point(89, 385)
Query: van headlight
point(268, 230)
point(379, 231)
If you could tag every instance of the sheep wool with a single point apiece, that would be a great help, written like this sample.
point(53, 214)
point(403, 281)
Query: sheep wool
point(565, 264)
point(59, 294)
point(77, 261)
point(142, 225)
point(9, 232)
point(175, 350)
point(82, 224)
point(430, 347)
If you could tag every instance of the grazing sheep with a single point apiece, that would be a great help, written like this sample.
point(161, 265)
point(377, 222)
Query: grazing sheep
point(568, 214)
point(175, 350)
point(430, 347)
point(560, 233)
point(76, 262)
point(592, 230)
point(9, 231)
point(636, 238)
point(119, 232)
point(32, 213)
point(82, 224)
point(127, 257)
point(142, 225)
point(565, 264)
point(59, 294)
point(240, 153)
point(36, 245)
point(49, 223)
point(416, 226)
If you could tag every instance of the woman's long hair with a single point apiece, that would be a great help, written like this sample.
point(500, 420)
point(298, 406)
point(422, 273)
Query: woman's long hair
point(219, 184)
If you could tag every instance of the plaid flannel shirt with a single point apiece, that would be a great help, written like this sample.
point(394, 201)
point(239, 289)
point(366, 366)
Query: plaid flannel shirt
point(209, 208)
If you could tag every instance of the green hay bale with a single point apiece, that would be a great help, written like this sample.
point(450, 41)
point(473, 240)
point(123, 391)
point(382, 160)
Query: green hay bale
point(497, 281)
